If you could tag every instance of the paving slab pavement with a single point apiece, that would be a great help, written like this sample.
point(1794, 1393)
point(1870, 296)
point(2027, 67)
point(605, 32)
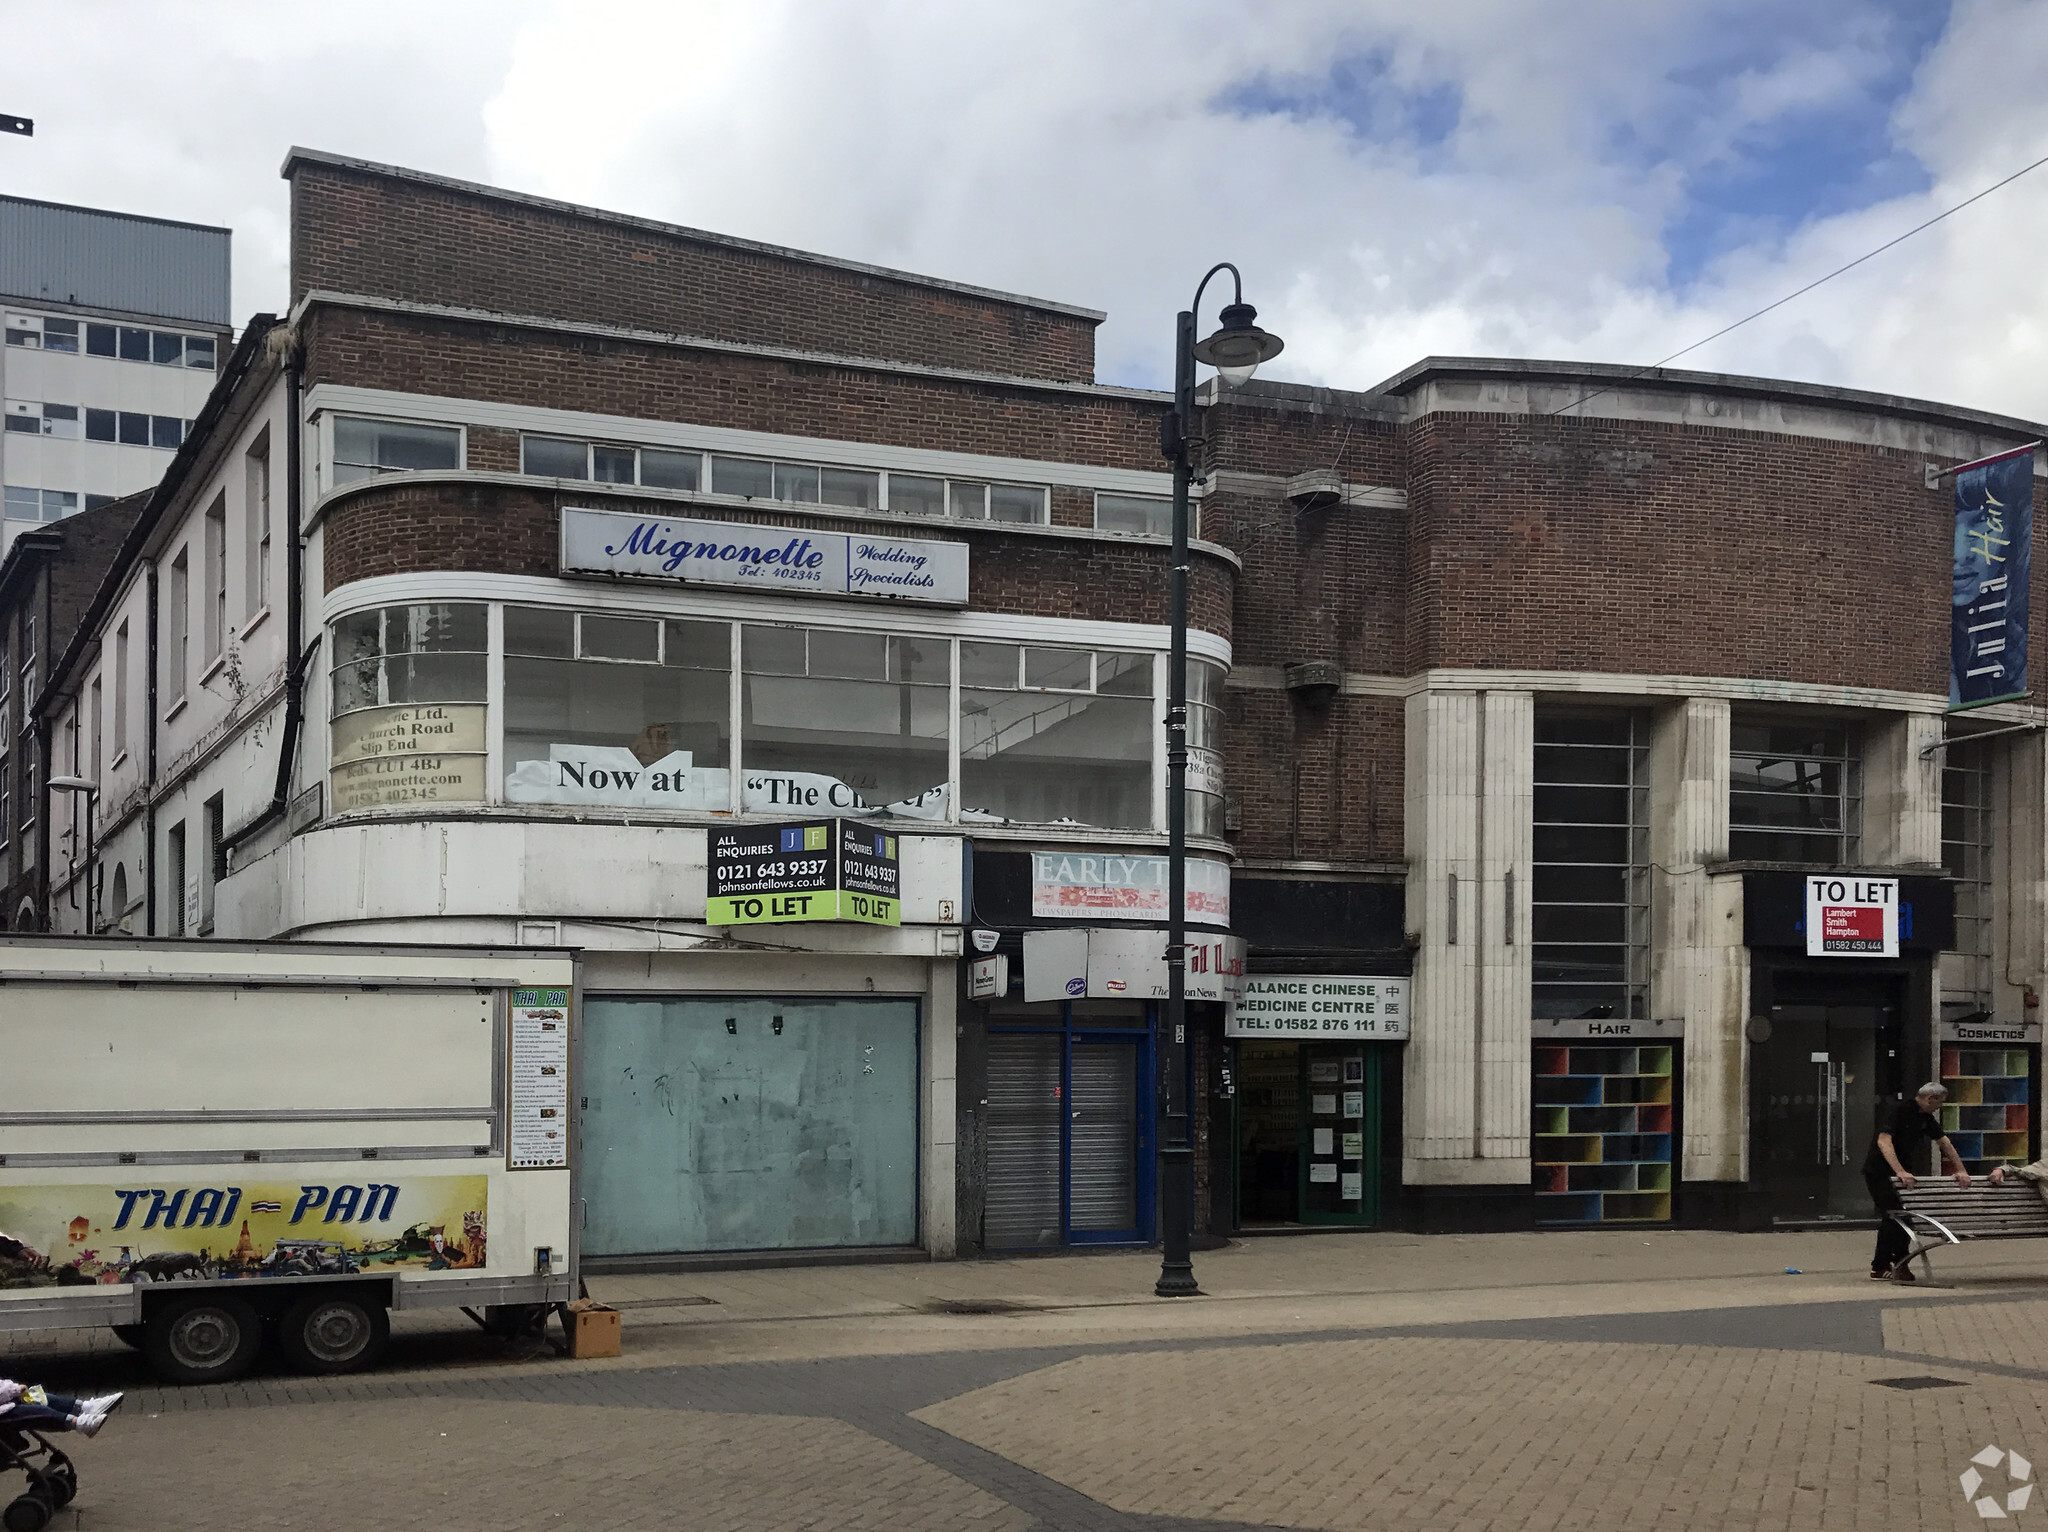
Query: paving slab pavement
point(1585, 1380)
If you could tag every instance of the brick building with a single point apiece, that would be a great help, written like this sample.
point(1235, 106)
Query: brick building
point(47, 579)
point(1523, 695)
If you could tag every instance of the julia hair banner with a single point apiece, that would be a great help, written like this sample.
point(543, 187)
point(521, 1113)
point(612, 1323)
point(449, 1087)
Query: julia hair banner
point(1993, 546)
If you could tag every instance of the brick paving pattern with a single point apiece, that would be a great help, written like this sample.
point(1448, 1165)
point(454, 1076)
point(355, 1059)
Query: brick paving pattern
point(2011, 1334)
point(1502, 1434)
point(1570, 1381)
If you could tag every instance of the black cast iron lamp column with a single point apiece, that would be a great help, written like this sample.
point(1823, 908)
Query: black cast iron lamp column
point(1235, 351)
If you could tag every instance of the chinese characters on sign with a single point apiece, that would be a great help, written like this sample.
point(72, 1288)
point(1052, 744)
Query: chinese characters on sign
point(1320, 1006)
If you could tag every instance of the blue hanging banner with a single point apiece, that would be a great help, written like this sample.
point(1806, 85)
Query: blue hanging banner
point(1994, 541)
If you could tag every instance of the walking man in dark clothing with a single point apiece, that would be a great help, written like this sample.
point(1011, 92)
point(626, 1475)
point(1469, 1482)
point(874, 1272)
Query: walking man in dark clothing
point(1900, 1143)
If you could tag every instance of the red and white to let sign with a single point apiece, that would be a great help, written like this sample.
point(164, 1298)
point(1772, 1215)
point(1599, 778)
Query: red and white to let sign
point(1852, 917)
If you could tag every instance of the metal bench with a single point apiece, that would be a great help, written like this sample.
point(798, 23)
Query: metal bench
point(1939, 1212)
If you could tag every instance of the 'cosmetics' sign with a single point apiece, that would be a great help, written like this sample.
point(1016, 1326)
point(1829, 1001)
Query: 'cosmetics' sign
point(784, 560)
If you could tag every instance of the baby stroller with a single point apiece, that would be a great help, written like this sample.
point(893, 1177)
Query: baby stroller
point(52, 1481)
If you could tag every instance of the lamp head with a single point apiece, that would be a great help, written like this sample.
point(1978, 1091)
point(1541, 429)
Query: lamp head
point(1239, 346)
point(73, 784)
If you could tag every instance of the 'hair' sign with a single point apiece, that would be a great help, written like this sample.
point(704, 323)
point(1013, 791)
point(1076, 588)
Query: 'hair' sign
point(1852, 917)
point(777, 560)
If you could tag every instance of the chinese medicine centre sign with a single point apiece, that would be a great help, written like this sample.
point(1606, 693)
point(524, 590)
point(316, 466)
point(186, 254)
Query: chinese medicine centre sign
point(784, 560)
point(1276, 1005)
point(1852, 917)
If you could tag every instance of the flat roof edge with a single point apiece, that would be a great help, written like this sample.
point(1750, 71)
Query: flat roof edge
point(297, 155)
point(108, 212)
point(1609, 377)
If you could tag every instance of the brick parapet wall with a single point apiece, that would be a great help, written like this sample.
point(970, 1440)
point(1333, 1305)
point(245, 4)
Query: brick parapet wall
point(1567, 545)
point(358, 231)
point(507, 364)
point(406, 527)
point(1564, 544)
point(1251, 438)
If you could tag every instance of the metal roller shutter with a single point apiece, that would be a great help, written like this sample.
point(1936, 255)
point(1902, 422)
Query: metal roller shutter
point(1024, 1106)
point(1105, 1137)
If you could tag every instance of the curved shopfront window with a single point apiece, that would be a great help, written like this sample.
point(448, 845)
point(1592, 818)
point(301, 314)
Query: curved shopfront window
point(846, 721)
point(408, 693)
point(628, 711)
point(632, 711)
point(1056, 736)
point(1205, 748)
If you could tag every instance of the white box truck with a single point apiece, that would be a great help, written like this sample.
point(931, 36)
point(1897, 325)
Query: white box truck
point(204, 1145)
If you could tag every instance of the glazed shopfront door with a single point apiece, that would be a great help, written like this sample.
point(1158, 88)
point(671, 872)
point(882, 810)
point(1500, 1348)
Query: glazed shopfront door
point(1308, 1130)
point(1829, 1070)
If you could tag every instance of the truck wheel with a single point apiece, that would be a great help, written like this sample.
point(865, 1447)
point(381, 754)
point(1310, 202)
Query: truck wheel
point(334, 1332)
point(203, 1339)
point(131, 1335)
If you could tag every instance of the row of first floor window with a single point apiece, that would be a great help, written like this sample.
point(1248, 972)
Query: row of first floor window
point(604, 709)
point(1795, 796)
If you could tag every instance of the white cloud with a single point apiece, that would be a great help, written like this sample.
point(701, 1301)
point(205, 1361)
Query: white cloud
point(1088, 153)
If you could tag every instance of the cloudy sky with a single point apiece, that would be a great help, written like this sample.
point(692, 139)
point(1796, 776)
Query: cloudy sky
point(1596, 179)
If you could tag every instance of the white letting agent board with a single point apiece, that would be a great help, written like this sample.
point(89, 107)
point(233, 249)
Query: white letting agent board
point(785, 560)
point(1321, 1006)
point(1852, 917)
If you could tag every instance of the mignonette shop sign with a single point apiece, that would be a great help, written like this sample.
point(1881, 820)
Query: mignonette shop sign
point(783, 560)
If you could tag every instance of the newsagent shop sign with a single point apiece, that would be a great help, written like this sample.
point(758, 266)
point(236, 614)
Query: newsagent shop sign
point(781, 560)
point(1852, 917)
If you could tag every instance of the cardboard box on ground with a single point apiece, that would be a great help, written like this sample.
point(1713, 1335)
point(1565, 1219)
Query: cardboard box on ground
point(593, 1328)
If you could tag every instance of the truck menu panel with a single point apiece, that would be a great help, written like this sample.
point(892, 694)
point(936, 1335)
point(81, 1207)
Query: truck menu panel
point(538, 1135)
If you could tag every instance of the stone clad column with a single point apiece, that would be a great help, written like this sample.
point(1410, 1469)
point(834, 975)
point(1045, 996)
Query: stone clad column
point(1699, 967)
point(1902, 791)
point(1507, 812)
point(1468, 797)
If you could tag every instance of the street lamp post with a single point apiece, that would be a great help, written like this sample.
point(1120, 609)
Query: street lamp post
point(91, 792)
point(1235, 351)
